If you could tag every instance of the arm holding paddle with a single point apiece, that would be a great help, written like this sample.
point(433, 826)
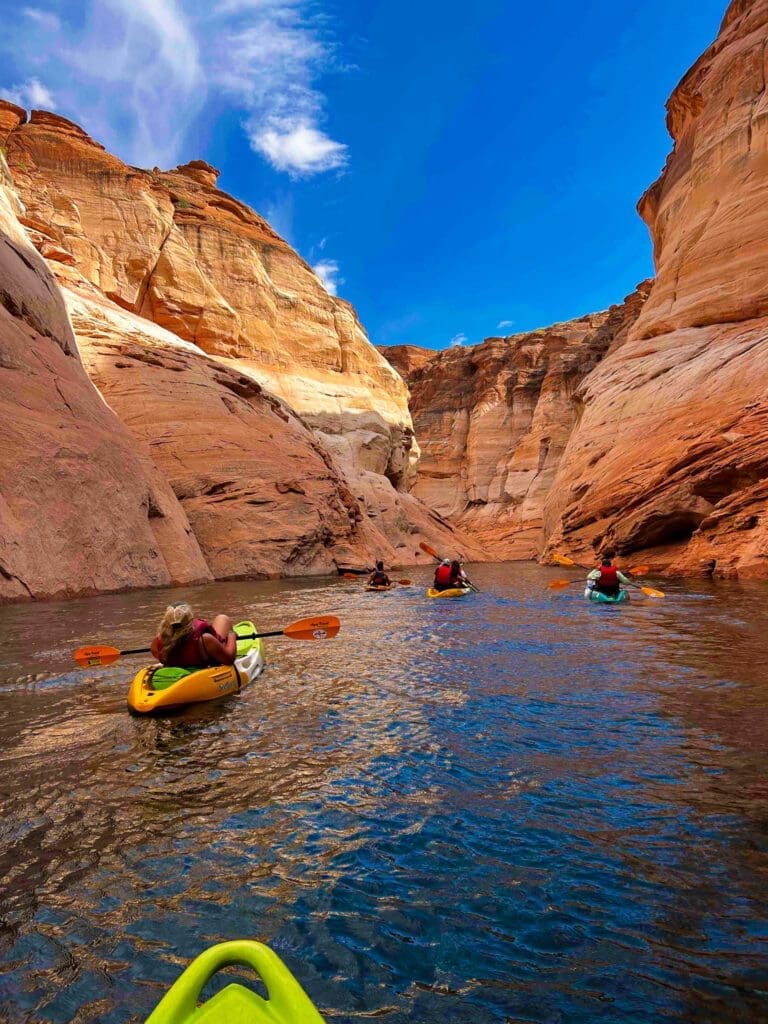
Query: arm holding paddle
point(637, 570)
point(433, 554)
point(320, 627)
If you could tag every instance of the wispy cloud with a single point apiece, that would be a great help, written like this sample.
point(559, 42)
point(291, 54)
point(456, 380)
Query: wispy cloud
point(502, 324)
point(31, 93)
point(46, 19)
point(457, 340)
point(328, 272)
point(138, 73)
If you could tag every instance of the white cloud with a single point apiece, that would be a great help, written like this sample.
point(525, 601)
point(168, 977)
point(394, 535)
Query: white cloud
point(138, 73)
point(299, 149)
point(457, 340)
point(504, 323)
point(328, 272)
point(32, 93)
point(46, 19)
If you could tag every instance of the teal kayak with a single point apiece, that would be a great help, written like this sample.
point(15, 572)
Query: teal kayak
point(288, 1003)
point(599, 598)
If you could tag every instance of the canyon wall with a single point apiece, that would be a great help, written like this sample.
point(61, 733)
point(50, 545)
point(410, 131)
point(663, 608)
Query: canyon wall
point(186, 463)
point(493, 421)
point(670, 455)
point(645, 429)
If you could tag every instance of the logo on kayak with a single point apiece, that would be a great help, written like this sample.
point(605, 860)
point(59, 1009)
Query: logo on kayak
point(319, 634)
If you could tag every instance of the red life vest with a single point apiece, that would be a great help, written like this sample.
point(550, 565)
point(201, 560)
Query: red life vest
point(608, 582)
point(443, 576)
point(189, 653)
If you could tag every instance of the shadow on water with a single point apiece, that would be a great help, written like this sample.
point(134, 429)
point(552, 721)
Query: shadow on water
point(514, 807)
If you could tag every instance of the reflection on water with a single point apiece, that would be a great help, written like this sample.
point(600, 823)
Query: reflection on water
point(518, 807)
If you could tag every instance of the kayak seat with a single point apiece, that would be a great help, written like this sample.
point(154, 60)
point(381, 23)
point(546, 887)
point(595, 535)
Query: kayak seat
point(163, 676)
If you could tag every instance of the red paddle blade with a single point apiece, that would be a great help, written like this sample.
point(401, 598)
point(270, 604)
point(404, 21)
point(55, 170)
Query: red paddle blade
point(88, 657)
point(320, 627)
point(352, 576)
point(405, 583)
point(430, 551)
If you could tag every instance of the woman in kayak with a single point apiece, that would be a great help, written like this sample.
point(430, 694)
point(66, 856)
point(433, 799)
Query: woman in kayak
point(378, 577)
point(186, 642)
point(449, 576)
point(607, 578)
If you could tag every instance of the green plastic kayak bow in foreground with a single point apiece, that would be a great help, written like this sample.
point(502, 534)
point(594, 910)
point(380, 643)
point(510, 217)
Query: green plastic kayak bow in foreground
point(288, 1003)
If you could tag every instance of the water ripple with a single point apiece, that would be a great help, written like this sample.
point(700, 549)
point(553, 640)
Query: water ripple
point(517, 807)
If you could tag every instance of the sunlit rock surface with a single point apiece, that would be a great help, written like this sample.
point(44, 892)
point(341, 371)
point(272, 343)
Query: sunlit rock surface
point(493, 421)
point(178, 298)
point(81, 506)
point(671, 452)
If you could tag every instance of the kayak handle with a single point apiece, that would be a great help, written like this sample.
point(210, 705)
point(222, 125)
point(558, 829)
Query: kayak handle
point(287, 999)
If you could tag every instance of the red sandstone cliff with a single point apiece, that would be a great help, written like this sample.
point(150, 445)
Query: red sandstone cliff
point(648, 431)
point(671, 450)
point(494, 419)
point(192, 319)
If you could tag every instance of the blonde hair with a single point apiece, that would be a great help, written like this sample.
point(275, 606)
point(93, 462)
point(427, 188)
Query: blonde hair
point(176, 625)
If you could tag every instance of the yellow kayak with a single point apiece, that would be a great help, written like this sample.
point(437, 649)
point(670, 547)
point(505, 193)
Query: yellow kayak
point(156, 688)
point(455, 592)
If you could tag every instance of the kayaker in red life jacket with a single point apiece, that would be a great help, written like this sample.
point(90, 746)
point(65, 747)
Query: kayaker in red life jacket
point(448, 576)
point(378, 577)
point(607, 578)
point(186, 642)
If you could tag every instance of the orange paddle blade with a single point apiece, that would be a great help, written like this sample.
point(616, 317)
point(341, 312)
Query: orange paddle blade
point(652, 592)
point(88, 657)
point(352, 576)
point(430, 551)
point(639, 570)
point(405, 583)
point(321, 627)
point(561, 584)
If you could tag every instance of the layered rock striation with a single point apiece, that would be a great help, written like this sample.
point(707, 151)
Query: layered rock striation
point(493, 421)
point(671, 452)
point(646, 429)
point(180, 464)
point(80, 508)
point(173, 248)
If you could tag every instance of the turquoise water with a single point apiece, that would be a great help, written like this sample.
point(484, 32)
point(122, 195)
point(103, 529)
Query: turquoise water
point(514, 807)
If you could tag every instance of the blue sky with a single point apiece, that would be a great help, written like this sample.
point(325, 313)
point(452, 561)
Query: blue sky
point(448, 167)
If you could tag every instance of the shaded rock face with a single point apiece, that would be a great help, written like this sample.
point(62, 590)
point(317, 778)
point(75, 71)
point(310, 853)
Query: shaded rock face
point(493, 422)
point(671, 451)
point(174, 249)
point(80, 508)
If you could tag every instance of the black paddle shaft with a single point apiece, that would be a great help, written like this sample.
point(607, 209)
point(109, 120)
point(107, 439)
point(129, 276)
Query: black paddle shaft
point(250, 636)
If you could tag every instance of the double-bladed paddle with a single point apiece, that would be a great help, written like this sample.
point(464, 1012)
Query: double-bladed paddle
point(322, 627)
point(433, 554)
point(637, 570)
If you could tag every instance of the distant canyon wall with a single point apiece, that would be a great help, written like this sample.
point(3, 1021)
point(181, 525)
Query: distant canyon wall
point(645, 429)
point(184, 400)
point(494, 420)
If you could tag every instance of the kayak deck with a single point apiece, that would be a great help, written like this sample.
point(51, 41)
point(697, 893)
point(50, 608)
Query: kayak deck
point(453, 592)
point(599, 598)
point(196, 686)
point(287, 1001)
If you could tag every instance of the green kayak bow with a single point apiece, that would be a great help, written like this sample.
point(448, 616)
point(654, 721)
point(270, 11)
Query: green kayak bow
point(288, 1003)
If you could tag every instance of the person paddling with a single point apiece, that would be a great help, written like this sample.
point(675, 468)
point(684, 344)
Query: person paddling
point(186, 642)
point(378, 577)
point(448, 576)
point(607, 579)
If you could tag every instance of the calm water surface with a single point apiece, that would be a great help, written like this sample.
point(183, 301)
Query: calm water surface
point(516, 807)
